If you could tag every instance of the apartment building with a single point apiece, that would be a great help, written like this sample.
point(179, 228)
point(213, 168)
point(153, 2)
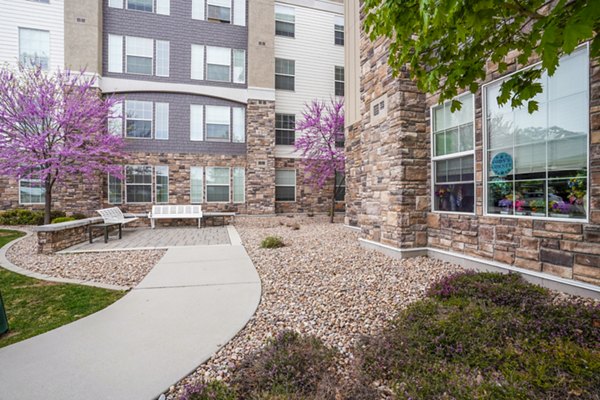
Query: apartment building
point(199, 84)
point(485, 186)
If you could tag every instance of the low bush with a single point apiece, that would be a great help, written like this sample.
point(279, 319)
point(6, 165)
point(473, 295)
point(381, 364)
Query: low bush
point(26, 217)
point(78, 216)
point(209, 391)
point(62, 219)
point(272, 242)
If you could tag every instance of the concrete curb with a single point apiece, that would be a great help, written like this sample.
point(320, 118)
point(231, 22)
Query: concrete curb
point(6, 264)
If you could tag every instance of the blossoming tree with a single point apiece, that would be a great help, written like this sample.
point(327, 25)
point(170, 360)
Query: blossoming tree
point(322, 130)
point(54, 126)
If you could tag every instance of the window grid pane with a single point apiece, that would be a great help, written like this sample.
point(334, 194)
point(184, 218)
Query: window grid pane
point(162, 58)
point(285, 125)
point(140, 5)
point(197, 185)
point(138, 183)
point(162, 121)
point(239, 185)
point(34, 48)
point(162, 184)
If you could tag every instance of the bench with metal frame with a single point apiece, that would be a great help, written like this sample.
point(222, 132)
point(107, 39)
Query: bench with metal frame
point(176, 212)
point(111, 216)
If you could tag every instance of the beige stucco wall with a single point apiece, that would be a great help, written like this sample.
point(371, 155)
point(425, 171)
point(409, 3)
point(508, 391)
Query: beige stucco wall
point(261, 47)
point(83, 35)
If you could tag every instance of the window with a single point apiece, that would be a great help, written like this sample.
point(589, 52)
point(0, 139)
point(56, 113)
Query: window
point(285, 21)
point(339, 81)
point(197, 185)
point(198, 9)
point(162, 121)
point(340, 138)
point(285, 71)
point(115, 53)
point(239, 125)
point(115, 189)
point(239, 66)
point(115, 120)
point(239, 185)
point(162, 58)
point(217, 184)
point(285, 129)
point(31, 191)
point(41, 1)
point(453, 159)
point(339, 31)
point(139, 55)
point(196, 122)
point(197, 62)
point(138, 184)
point(163, 7)
point(219, 11)
point(138, 116)
point(161, 173)
point(285, 185)
point(239, 12)
point(537, 164)
point(218, 64)
point(218, 122)
point(340, 186)
point(34, 48)
point(115, 3)
point(140, 5)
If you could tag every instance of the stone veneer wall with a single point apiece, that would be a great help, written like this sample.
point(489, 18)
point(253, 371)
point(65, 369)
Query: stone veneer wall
point(388, 189)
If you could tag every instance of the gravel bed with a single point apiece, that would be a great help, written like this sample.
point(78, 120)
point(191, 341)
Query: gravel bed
point(321, 283)
point(121, 268)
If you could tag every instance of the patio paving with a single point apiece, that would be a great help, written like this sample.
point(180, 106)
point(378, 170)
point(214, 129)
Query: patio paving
point(160, 238)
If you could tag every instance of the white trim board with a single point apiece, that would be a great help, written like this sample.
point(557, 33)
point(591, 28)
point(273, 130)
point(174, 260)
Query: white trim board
point(569, 286)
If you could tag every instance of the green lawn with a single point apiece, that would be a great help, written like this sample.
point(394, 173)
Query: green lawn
point(34, 306)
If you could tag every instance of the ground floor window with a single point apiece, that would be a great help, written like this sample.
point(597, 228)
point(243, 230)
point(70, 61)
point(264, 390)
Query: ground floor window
point(138, 184)
point(217, 184)
point(115, 189)
point(31, 191)
point(197, 185)
point(340, 185)
point(161, 173)
point(239, 185)
point(285, 185)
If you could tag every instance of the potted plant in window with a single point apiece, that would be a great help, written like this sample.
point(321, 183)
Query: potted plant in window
point(578, 196)
point(538, 207)
point(443, 195)
point(506, 204)
point(560, 209)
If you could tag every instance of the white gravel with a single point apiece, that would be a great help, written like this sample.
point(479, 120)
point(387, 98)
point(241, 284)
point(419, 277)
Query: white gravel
point(321, 283)
point(121, 268)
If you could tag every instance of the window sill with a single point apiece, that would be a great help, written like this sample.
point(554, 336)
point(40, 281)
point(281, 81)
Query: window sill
point(540, 218)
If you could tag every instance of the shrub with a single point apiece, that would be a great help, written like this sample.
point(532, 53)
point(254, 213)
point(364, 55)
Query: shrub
point(289, 367)
point(62, 219)
point(78, 216)
point(272, 242)
point(209, 391)
point(26, 217)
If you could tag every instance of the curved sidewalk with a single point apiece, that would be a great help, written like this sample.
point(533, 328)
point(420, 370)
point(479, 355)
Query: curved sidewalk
point(193, 302)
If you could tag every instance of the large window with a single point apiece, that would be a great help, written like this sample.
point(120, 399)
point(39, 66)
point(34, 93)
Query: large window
point(138, 116)
point(285, 74)
point(285, 21)
point(217, 184)
point(219, 11)
point(537, 164)
point(285, 185)
point(140, 5)
point(138, 184)
point(31, 191)
point(339, 81)
point(239, 185)
point(285, 129)
point(453, 157)
point(139, 55)
point(339, 31)
point(218, 123)
point(218, 64)
point(34, 48)
point(197, 185)
point(161, 173)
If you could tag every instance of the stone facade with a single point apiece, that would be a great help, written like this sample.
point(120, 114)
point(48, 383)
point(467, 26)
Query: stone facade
point(389, 183)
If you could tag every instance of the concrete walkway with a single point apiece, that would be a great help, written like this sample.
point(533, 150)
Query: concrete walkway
point(192, 303)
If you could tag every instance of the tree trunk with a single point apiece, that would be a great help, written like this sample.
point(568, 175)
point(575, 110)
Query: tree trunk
point(333, 203)
point(47, 203)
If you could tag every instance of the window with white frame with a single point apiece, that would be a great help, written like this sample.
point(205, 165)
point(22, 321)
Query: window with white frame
point(285, 74)
point(34, 48)
point(197, 67)
point(115, 3)
point(198, 9)
point(138, 184)
point(196, 122)
point(31, 191)
point(140, 5)
point(239, 12)
point(239, 66)
point(338, 29)
point(453, 157)
point(139, 55)
point(239, 184)
point(115, 189)
point(285, 129)
point(218, 123)
point(161, 130)
point(217, 184)
point(138, 116)
point(219, 11)
point(161, 173)
point(218, 64)
point(285, 185)
point(163, 7)
point(162, 58)
point(285, 20)
point(115, 119)
point(537, 164)
point(239, 125)
point(115, 53)
point(197, 185)
point(339, 81)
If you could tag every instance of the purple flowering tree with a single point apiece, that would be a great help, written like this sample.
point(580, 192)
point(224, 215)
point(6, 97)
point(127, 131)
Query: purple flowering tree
point(321, 145)
point(54, 126)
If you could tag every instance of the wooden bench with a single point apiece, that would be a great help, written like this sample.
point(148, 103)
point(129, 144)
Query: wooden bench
point(176, 212)
point(111, 216)
point(221, 215)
